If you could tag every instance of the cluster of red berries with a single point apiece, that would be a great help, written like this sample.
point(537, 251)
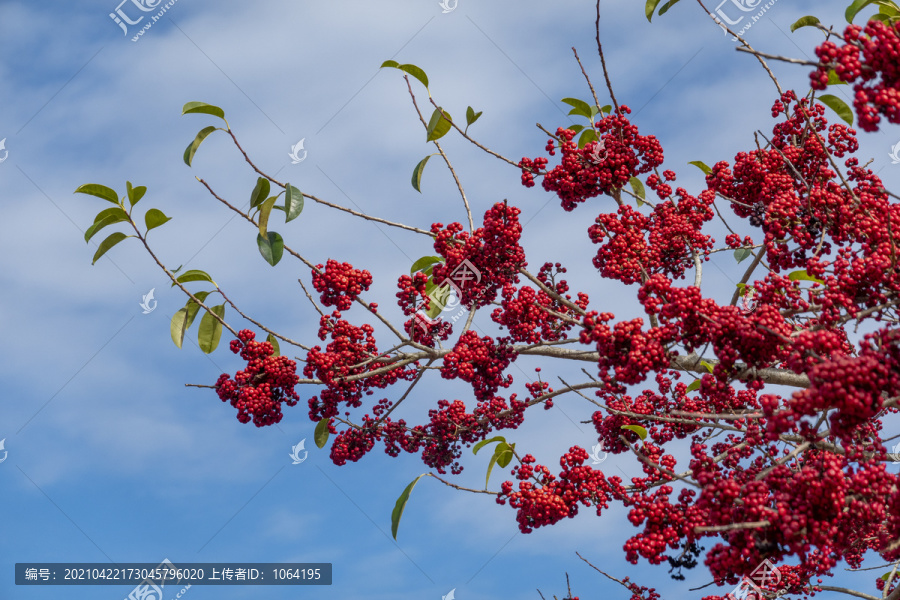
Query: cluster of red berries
point(870, 57)
point(258, 391)
point(481, 362)
point(599, 167)
point(340, 283)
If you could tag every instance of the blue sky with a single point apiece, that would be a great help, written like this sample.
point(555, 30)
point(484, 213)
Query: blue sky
point(112, 459)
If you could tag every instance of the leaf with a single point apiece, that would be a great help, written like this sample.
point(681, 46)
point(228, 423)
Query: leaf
point(439, 125)
point(649, 8)
point(807, 21)
point(210, 331)
point(135, 193)
point(204, 108)
point(667, 6)
point(115, 214)
point(472, 116)
point(178, 326)
point(424, 262)
point(606, 109)
point(322, 432)
point(695, 385)
point(293, 203)
point(407, 68)
point(484, 443)
point(803, 276)
point(579, 107)
point(271, 247)
point(575, 128)
point(274, 341)
point(638, 189)
point(417, 173)
point(100, 191)
point(642, 433)
point(108, 243)
point(838, 106)
point(490, 468)
point(194, 275)
point(192, 147)
point(855, 7)
point(264, 211)
point(702, 166)
point(260, 192)
point(401, 505)
point(888, 9)
point(154, 218)
point(587, 136)
point(504, 454)
point(707, 365)
point(742, 254)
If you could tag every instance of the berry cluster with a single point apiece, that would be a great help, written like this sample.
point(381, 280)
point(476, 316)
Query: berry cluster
point(258, 391)
point(340, 283)
point(481, 362)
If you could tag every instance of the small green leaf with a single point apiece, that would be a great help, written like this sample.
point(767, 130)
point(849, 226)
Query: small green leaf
point(439, 125)
point(178, 326)
point(100, 191)
point(638, 189)
point(210, 331)
point(322, 432)
point(407, 68)
point(135, 193)
point(587, 136)
point(194, 275)
point(575, 128)
point(472, 116)
point(667, 6)
point(271, 247)
point(264, 211)
point(417, 173)
point(642, 433)
point(833, 78)
point(192, 147)
point(204, 108)
point(606, 109)
point(108, 243)
point(702, 166)
point(504, 454)
point(803, 276)
point(886, 576)
point(154, 218)
point(855, 7)
point(579, 107)
point(260, 192)
point(424, 262)
point(838, 106)
point(649, 8)
point(484, 443)
point(275, 345)
point(807, 21)
point(742, 254)
point(707, 366)
point(695, 385)
point(109, 216)
point(400, 506)
point(293, 203)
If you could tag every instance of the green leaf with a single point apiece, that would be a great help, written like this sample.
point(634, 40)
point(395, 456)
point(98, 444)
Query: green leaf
point(649, 8)
point(579, 107)
point(695, 385)
point(264, 211)
point(417, 173)
point(400, 506)
point(293, 203)
point(886, 576)
point(424, 262)
point(638, 189)
point(178, 326)
point(642, 433)
point(855, 7)
point(192, 147)
point(490, 468)
point(274, 341)
point(587, 136)
point(803, 276)
point(742, 254)
point(154, 218)
point(833, 78)
point(667, 6)
point(838, 106)
point(204, 108)
point(575, 128)
point(109, 216)
point(271, 247)
point(807, 21)
point(439, 125)
point(260, 192)
point(322, 432)
point(702, 166)
point(606, 109)
point(472, 116)
point(504, 454)
point(210, 331)
point(889, 9)
point(194, 275)
point(100, 191)
point(135, 193)
point(707, 365)
point(407, 68)
point(108, 243)
point(484, 443)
